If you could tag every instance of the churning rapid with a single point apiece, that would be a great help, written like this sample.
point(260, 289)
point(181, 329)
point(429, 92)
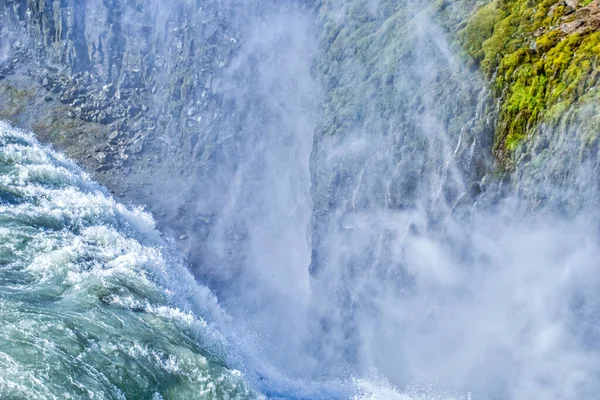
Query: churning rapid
point(346, 231)
point(92, 304)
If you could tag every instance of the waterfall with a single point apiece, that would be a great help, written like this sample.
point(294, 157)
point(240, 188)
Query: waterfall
point(332, 221)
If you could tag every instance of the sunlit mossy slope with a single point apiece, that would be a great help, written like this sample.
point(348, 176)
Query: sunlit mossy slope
point(541, 58)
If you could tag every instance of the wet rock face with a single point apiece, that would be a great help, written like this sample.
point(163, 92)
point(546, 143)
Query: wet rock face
point(397, 102)
point(405, 137)
point(161, 100)
point(127, 64)
point(541, 61)
point(142, 69)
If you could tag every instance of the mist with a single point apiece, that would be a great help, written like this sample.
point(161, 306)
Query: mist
point(418, 284)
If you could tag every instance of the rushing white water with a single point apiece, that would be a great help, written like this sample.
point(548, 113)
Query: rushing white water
point(92, 303)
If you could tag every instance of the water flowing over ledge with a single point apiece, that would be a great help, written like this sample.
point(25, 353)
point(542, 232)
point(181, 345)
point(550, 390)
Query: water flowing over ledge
point(92, 304)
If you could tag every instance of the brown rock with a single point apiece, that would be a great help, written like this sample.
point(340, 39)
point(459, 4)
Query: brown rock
point(571, 26)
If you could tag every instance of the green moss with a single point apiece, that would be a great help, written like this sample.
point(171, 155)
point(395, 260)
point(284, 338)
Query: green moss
point(496, 44)
point(585, 3)
point(549, 40)
point(538, 71)
point(479, 28)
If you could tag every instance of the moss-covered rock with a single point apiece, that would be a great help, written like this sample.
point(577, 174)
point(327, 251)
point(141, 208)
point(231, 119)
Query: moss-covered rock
point(479, 28)
point(541, 58)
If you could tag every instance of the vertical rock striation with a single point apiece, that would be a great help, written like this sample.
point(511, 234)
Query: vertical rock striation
point(403, 143)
